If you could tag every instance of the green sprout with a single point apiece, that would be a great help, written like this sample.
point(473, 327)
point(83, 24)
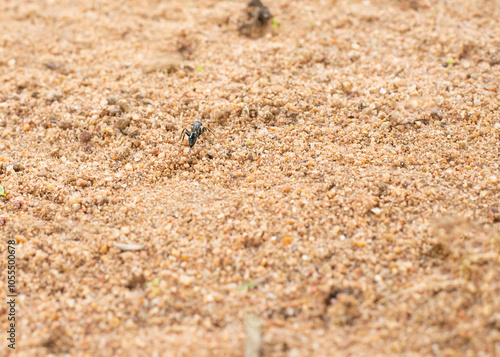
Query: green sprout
point(199, 68)
point(247, 286)
point(275, 23)
point(154, 286)
point(2, 192)
point(154, 282)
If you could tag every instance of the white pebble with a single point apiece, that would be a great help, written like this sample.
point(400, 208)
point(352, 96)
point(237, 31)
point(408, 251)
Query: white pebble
point(185, 280)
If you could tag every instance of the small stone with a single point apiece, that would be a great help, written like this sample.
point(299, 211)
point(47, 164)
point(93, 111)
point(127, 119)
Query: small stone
point(253, 112)
point(185, 280)
point(42, 173)
point(66, 124)
point(85, 136)
point(51, 65)
point(263, 133)
point(111, 100)
point(376, 211)
point(122, 123)
point(108, 132)
point(170, 127)
point(54, 96)
point(208, 298)
point(491, 179)
point(216, 114)
point(133, 131)
point(17, 167)
point(74, 199)
point(115, 111)
point(82, 183)
point(123, 104)
point(129, 167)
point(71, 303)
point(121, 153)
point(347, 86)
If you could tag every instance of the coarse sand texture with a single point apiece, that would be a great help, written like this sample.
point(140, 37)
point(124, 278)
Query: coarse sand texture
point(347, 202)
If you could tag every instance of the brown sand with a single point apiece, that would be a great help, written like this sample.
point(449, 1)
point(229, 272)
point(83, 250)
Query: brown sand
point(349, 198)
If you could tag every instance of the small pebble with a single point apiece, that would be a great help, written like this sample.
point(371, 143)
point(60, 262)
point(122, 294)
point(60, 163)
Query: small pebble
point(185, 280)
point(85, 136)
point(54, 96)
point(122, 123)
point(123, 104)
point(66, 124)
point(111, 100)
point(115, 111)
point(82, 183)
point(17, 167)
point(51, 65)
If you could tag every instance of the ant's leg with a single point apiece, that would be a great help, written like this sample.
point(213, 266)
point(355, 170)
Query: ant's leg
point(207, 129)
point(185, 132)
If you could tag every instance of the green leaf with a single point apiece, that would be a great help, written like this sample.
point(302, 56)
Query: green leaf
point(2, 192)
point(199, 68)
point(275, 23)
point(247, 286)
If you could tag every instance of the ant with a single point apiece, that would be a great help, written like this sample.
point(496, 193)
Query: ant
point(196, 130)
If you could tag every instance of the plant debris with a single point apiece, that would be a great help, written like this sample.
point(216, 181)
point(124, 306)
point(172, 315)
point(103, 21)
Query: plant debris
point(256, 21)
point(128, 247)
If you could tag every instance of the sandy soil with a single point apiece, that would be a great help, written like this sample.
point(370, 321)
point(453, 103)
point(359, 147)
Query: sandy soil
point(349, 197)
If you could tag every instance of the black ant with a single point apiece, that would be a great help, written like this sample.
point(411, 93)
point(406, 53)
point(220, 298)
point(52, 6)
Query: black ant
point(196, 130)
